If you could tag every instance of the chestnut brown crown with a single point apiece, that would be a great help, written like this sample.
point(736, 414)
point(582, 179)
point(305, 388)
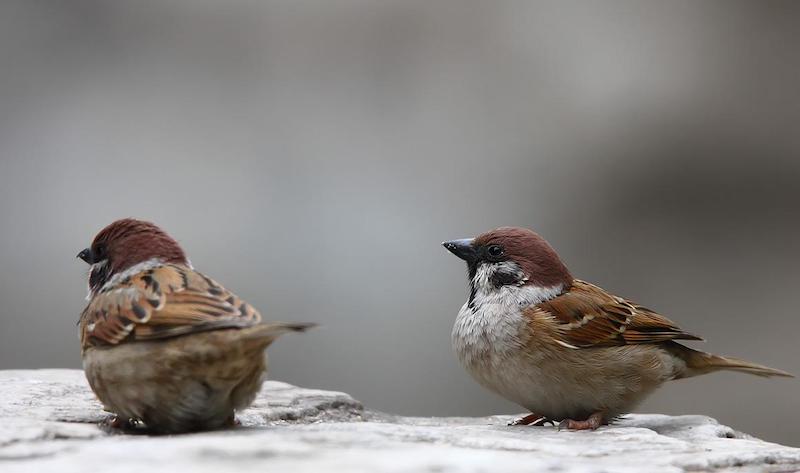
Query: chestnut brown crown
point(535, 257)
point(125, 243)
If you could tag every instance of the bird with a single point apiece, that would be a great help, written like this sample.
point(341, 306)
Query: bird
point(162, 344)
point(567, 351)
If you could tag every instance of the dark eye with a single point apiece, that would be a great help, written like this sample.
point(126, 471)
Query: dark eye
point(495, 251)
point(99, 252)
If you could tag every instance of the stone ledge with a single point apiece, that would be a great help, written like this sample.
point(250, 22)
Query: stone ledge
point(47, 422)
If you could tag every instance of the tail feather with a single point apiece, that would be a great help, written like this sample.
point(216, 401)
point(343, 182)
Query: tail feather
point(698, 362)
point(267, 332)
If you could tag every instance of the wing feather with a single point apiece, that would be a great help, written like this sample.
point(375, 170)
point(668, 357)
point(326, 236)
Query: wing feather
point(587, 316)
point(162, 302)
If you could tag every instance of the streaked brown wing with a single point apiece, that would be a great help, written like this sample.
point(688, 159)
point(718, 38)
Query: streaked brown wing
point(588, 316)
point(162, 302)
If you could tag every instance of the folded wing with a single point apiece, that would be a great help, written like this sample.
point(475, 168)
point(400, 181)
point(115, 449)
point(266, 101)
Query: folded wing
point(162, 302)
point(587, 316)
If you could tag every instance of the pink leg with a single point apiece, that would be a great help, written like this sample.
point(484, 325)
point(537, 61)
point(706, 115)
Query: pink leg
point(232, 421)
point(592, 423)
point(531, 419)
point(117, 422)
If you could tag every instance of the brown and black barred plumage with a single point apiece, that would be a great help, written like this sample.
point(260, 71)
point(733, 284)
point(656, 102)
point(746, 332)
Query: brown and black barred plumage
point(163, 343)
point(562, 348)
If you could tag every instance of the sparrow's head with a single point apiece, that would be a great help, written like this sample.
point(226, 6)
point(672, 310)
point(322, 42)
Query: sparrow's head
point(126, 243)
point(511, 257)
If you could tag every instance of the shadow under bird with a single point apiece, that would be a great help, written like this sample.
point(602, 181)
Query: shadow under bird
point(562, 348)
point(162, 343)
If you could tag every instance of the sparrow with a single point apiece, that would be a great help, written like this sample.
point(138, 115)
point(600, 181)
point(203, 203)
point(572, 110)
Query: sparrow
point(562, 348)
point(163, 344)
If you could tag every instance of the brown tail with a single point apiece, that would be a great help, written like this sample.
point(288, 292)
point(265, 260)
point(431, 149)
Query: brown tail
point(267, 332)
point(698, 362)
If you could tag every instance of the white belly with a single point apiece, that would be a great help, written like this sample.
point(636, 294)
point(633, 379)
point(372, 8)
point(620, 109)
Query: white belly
point(495, 345)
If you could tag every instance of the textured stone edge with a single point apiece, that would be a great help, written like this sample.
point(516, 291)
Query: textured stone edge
point(63, 415)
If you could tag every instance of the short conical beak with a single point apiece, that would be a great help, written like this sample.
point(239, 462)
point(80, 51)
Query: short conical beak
point(462, 248)
point(86, 255)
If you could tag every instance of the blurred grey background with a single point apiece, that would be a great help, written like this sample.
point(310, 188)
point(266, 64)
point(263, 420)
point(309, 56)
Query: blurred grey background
point(311, 155)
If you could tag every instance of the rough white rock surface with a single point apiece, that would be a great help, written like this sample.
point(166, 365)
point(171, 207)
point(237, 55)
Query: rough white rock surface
point(47, 423)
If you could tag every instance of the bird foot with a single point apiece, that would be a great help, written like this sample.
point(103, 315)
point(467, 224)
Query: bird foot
point(532, 419)
point(119, 423)
point(592, 423)
point(232, 421)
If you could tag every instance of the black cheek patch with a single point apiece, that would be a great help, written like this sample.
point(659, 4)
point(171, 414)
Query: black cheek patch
point(502, 278)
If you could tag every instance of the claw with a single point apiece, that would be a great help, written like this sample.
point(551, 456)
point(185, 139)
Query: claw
point(119, 423)
point(232, 421)
point(532, 419)
point(592, 423)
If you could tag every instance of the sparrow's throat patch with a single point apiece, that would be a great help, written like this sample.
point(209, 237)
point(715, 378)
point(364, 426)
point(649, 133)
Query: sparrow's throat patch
point(98, 275)
point(488, 278)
